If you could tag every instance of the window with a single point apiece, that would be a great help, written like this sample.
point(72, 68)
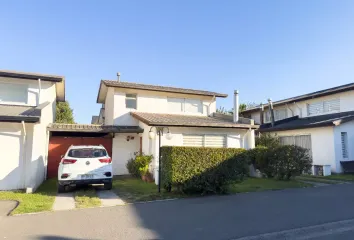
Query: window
point(327, 106)
point(279, 114)
point(87, 153)
point(204, 140)
point(344, 140)
point(175, 104)
point(193, 106)
point(13, 93)
point(130, 101)
point(180, 105)
point(298, 140)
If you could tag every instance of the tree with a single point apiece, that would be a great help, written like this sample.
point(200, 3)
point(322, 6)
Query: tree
point(64, 114)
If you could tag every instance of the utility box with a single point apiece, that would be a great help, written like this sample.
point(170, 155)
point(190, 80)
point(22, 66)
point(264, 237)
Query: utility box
point(321, 170)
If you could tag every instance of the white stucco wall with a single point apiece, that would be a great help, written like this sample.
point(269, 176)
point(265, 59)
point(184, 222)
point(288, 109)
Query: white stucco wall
point(109, 107)
point(349, 129)
point(322, 142)
point(148, 101)
point(26, 162)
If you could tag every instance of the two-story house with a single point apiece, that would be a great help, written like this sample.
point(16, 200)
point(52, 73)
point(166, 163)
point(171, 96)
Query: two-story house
point(188, 117)
point(321, 121)
point(27, 106)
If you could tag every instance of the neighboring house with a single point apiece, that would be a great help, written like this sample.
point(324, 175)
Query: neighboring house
point(189, 115)
point(27, 106)
point(321, 121)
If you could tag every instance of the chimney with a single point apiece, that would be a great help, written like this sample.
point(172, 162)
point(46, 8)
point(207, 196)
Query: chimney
point(271, 111)
point(118, 76)
point(236, 108)
point(261, 115)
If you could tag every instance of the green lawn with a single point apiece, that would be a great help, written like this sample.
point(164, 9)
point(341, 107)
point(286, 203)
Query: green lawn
point(338, 177)
point(316, 179)
point(135, 190)
point(86, 198)
point(41, 200)
point(263, 184)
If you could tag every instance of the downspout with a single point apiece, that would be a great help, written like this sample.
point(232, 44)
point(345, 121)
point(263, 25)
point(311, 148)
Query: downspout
point(271, 110)
point(24, 153)
point(46, 156)
point(292, 112)
point(39, 91)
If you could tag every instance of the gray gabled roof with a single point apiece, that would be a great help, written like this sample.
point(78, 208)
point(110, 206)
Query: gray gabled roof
point(13, 113)
point(321, 93)
point(178, 120)
point(157, 88)
point(58, 80)
point(308, 122)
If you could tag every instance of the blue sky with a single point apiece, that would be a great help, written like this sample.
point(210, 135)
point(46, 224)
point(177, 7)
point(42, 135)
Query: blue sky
point(264, 49)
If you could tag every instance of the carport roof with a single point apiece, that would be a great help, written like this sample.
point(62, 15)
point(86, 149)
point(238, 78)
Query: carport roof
point(93, 128)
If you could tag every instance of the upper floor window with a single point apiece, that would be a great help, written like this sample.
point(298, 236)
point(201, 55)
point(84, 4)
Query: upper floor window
point(180, 105)
point(130, 101)
point(326, 106)
point(13, 93)
point(279, 114)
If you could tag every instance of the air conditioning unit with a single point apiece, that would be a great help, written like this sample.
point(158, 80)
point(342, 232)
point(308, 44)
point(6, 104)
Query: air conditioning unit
point(321, 170)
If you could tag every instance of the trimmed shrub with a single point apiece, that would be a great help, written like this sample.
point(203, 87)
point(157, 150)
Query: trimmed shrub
point(282, 162)
point(202, 170)
point(139, 166)
point(268, 140)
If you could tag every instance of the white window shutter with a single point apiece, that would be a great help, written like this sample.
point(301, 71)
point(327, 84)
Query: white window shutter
point(193, 140)
point(215, 141)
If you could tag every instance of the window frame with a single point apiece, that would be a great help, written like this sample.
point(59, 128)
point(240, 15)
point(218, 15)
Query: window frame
point(131, 98)
point(323, 104)
point(204, 137)
point(183, 108)
point(25, 91)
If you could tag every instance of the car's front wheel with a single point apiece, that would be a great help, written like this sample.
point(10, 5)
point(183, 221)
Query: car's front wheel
point(108, 186)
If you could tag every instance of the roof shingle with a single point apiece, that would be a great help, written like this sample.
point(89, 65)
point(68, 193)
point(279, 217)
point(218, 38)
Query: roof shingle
point(158, 119)
point(130, 85)
point(308, 122)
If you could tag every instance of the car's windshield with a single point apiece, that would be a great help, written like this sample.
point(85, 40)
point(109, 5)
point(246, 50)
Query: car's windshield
point(87, 153)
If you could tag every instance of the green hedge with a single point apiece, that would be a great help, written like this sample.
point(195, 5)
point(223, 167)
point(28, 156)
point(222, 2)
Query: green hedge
point(202, 170)
point(281, 162)
point(139, 165)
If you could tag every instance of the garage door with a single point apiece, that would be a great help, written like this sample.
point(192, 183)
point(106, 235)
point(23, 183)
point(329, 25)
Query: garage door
point(11, 165)
point(59, 145)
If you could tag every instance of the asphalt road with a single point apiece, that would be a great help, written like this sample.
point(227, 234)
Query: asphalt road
point(318, 212)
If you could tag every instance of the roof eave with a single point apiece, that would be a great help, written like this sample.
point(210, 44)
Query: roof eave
point(28, 119)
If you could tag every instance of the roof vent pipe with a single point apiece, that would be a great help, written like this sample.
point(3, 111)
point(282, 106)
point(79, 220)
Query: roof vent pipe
point(236, 104)
point(271, 111)
point(261, 115)
point(118, 76)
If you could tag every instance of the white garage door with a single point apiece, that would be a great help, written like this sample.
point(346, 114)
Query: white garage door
point(10, 162)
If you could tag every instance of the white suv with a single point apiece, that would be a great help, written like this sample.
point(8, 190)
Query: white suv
point(85, 165)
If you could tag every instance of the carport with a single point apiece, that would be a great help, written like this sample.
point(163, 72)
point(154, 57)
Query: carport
point(62, 136)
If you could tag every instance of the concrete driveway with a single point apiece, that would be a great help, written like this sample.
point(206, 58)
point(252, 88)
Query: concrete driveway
point(219, 217)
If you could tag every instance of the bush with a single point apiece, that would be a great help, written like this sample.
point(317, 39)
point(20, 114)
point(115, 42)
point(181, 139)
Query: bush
point(202, 170)
point(268, 140)
point(282, 162)
point(139, 166)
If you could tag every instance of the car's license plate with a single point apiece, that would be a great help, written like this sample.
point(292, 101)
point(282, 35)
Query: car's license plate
point(86, 176)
